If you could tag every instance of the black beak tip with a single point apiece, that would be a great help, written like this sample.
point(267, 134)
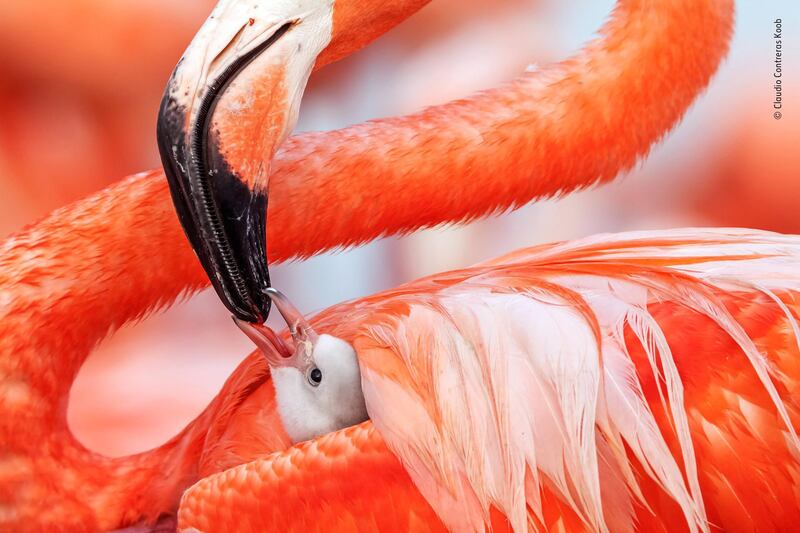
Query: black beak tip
point(224, 220)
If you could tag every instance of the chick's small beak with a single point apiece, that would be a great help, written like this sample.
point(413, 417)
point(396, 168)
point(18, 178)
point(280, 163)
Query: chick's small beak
point(299, 328)
point(274, 348)
point(277, 351)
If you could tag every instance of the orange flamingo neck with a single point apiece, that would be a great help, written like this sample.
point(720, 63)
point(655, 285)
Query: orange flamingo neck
point(356, 23)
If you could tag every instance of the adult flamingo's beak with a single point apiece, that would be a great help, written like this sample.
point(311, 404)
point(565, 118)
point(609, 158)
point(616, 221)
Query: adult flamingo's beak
point(230, 103)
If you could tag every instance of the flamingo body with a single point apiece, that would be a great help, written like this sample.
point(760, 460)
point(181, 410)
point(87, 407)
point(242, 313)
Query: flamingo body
point(633, 382)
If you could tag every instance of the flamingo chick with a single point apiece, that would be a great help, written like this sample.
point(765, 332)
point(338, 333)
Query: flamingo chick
point(317, 380)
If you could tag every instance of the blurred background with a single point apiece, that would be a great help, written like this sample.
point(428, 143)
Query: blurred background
point(80, 82)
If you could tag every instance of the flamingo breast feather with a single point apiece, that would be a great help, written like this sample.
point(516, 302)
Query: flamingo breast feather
point(539, 369)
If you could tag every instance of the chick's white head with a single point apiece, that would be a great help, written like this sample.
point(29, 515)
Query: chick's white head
point(316, 377)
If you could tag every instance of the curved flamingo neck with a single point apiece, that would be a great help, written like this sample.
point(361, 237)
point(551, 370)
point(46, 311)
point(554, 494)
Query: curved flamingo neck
point(87, 269)
point(65, 284)
point(356, 23)
point(563, 127)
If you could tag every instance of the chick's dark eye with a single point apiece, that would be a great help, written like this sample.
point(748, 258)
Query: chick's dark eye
point(315, 376)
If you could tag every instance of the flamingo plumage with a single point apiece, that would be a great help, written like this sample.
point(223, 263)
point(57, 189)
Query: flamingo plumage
point(638, 381)
point(79, 274)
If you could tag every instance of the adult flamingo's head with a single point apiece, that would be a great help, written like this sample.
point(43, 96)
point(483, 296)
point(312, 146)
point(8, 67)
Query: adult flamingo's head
point(231, 101)
point(316, 377)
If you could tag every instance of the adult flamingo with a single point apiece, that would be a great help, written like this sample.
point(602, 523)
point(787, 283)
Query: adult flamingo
point(58, 275)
